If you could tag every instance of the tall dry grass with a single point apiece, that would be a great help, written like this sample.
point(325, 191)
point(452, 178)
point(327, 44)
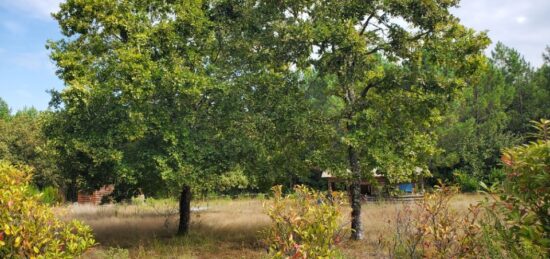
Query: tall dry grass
point(226, 229)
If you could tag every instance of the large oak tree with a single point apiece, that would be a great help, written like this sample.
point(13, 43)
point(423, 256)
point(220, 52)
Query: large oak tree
point(387, 66)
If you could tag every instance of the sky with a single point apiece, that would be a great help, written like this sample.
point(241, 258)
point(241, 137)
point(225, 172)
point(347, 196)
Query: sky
point(26, 72)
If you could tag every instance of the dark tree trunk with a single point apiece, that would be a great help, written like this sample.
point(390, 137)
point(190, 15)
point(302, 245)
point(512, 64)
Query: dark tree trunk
point(185, 210)
point(72, 191)
point(355, 193)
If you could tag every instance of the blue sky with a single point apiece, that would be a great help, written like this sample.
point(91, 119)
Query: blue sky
point(26, 71)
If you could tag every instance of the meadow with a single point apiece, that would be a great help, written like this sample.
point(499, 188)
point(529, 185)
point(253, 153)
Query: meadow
point(220, 228)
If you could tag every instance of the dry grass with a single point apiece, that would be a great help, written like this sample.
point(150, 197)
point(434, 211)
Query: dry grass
point(227, 229)
point(378, 221)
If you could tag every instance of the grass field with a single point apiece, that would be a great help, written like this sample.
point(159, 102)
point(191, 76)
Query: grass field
point(225, 229)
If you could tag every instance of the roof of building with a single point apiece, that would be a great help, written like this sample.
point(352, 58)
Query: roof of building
point(327, 173)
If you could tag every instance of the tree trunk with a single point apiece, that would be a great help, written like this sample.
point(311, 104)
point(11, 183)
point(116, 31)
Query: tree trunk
point(72, 191)
point(185, 210)
point(355, 193)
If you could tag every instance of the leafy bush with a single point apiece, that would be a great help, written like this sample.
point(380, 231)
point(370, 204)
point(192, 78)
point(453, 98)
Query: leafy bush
point(515, 222)
point(466, 182)
point(497, 175)
point(431, 229)
point(305, 224)
point(518, 214)
point(28, 228)
point(50, 195)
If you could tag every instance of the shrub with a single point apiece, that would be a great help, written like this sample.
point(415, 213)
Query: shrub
point(519, 213)
point(497, 175)
point(50, 196)
point(431, 229)
point(305, 224)
point(466, 182)
point(28, 228)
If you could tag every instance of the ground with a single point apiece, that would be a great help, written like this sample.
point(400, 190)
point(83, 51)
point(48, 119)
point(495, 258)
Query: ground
point(219, 229)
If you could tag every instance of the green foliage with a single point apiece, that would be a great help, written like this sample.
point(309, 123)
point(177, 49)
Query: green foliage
point(50, 195)
point(4, 110)
point(476, 128)
point(514, 224)
point(233, 180)
point(491, 115)
point(529, 88)
point(466, 182)
point(165, 94)
point(306, 224)
point(28, 228)
point(519, 215)
point(23, 142)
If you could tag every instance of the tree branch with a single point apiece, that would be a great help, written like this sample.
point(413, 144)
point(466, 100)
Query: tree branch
point(366, 23)
point(375, 50)
point(368, 87)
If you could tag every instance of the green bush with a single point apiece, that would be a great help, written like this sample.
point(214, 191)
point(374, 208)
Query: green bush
point(497, 175)
point(519, 213)
point(305, 224)
point(28, 227)
point(466, 182)
point(50, 195)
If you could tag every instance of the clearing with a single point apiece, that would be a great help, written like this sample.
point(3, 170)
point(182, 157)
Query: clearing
point(219, 228)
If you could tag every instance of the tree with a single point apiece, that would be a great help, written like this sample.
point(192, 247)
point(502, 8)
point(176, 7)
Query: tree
point(386, 65)
point(171, 96)
point(4, 110)
point(155, 87)
point(140, 107)
point(23, 142)
point(542, 81)
point(475, 129)
point(519, 74)
point(490, 116)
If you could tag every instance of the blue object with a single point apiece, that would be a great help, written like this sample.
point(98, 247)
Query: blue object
point(406, 187)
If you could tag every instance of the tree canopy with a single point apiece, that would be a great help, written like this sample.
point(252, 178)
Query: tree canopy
point(161, 94)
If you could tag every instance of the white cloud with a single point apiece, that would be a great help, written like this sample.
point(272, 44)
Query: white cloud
point(520, 19)
point(506, 20)
point(35, 8)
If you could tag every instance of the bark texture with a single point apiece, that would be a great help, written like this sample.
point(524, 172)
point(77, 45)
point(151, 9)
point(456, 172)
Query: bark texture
point(185, 210)
point(356, 224)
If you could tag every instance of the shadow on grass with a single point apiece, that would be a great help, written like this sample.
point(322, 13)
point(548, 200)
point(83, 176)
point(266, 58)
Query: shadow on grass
point(211, 234)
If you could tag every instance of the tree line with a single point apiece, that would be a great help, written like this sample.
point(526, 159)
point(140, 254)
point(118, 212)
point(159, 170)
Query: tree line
point(194, 97)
